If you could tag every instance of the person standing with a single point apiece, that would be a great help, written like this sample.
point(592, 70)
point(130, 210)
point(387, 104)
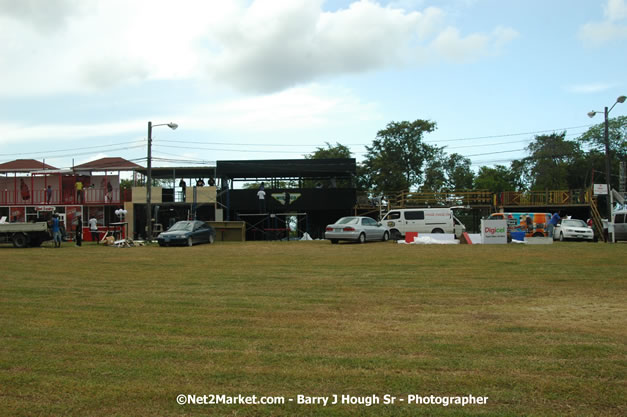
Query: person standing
point(555, 218)
point(78, 185)
point(24, 190)
point(79, 230)
point(56, 231)
point(93, 230)
point(183, 186)
point(48, 194)
point(109, 194)
point(261, 196)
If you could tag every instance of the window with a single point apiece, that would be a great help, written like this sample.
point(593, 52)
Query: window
point(393, 215)
point(414, 215)
point(619, 218)
point(368, 222)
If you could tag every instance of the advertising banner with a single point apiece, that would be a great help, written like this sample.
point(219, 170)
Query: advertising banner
point(494, 231)
point(17, 214)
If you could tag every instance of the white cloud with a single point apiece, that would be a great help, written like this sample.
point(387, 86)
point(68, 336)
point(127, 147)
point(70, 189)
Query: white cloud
point(613, 28)
point(258, 46)
point(42, 16)
point(451, 45)
point(616, 10)
point(299, 108)
point(295, 109)
point(589, 88)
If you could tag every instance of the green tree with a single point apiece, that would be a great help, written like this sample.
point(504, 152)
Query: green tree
point(594, 140)
point(447, 172)
point(551, 160)
point(617, 132)
point(458, 172)
point(396, 159)
point(337, 151)
point(434, 171)
point(497, 179)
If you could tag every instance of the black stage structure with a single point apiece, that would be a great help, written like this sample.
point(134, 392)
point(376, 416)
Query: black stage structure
point(303, 195)
point(173, 207)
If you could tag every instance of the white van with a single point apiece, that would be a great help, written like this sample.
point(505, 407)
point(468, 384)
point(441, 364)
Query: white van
point(422, 220)
point(620, 225)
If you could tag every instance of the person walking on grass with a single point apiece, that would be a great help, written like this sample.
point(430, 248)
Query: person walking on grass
point(79, 230)
point(93, 229)
point(56, 231)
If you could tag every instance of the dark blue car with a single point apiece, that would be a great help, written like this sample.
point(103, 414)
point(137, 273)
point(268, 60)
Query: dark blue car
point(187, 232)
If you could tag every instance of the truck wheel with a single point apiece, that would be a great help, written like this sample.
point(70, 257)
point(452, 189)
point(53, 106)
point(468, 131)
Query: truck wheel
point(538, 234)
point(395, 235)
point(20, 240)
point(437, 231)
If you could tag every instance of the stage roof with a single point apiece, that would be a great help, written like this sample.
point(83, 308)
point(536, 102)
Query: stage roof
point(287, 168)
point(180, 172)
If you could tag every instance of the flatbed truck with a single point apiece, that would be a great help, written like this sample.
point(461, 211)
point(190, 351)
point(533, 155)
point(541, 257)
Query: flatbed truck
point(23, 235)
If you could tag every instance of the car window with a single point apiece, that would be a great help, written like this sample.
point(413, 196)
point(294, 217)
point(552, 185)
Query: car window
point(619, 218)
point(414, 215)
point(181, 226)
point(393, 215)
point(574, 223)
point(348, 220)
point(368, 222)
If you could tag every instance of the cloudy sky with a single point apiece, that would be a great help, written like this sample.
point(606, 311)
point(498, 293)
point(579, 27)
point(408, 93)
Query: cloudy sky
point(266, 79)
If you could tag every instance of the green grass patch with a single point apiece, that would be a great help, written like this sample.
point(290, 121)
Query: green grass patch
point(97, 331)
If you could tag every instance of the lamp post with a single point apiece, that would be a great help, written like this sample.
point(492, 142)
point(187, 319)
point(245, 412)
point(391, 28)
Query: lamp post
point(172, 126)
point(606, 112)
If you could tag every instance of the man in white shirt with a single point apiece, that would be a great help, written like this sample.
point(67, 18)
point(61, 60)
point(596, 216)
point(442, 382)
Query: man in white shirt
point(93, 229)
point(261, 195)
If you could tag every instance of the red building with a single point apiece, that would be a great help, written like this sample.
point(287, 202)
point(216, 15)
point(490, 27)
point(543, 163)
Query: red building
point(31, 190)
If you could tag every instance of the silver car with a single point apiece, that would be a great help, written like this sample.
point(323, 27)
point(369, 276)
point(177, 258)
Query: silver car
point(573, 229)
point(356, 228)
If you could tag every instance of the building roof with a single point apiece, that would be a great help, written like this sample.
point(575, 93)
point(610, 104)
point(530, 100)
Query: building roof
point(288, 168)
point(24, 165)
point(108, 164)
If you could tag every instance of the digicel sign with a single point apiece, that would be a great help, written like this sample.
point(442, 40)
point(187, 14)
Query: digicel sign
point(494, 231)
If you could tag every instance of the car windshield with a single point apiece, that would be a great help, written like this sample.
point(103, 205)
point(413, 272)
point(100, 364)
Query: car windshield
point(574, 223)
point(347, 220)
point(181, 227)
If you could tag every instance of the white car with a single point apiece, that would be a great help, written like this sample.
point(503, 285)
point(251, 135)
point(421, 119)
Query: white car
point(356, 228)
point(573, 229)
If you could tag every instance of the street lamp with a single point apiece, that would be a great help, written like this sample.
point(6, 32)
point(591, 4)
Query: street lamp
point(591, 114)
point(172, 126)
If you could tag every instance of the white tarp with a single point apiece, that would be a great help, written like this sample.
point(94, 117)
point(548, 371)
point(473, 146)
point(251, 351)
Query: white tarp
point(432, 239)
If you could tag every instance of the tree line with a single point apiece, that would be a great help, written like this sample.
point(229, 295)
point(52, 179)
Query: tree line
point(399, 159)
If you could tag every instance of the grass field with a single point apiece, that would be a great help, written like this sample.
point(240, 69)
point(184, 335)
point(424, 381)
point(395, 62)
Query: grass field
point(96, 331)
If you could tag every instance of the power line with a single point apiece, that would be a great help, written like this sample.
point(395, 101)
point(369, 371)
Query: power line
point(516, 134)
point(70, 149)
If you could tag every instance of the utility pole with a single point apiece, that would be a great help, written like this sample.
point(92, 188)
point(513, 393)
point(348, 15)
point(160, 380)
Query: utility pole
point(149, 185)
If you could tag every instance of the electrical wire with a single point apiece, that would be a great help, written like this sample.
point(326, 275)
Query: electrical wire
point(71, 149)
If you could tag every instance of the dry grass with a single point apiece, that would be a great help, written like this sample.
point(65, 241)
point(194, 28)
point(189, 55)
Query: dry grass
point(97, 331)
